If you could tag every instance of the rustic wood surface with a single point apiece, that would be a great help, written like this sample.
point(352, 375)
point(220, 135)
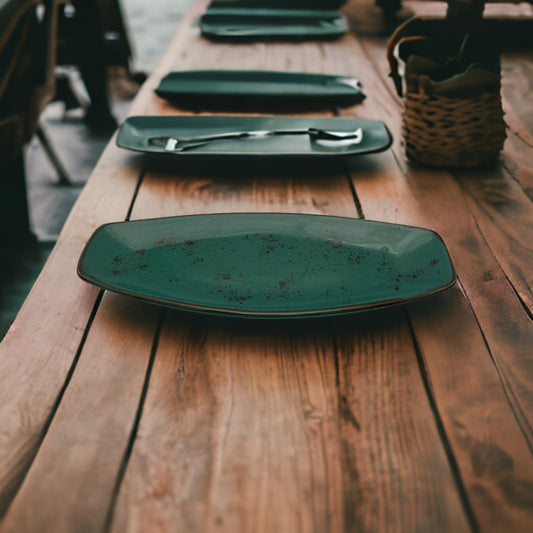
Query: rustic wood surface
point(117, 415)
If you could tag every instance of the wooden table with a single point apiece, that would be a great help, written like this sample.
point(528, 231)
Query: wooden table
point(117, 415)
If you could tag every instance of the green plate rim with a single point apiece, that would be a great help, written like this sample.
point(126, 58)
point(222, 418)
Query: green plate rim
point(262, 153)
point(222, 311)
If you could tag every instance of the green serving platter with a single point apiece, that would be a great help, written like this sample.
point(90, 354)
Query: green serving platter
point(234, 89)
point(143, 134)
point(267, 265)
point(257, 23)
point(280, 4)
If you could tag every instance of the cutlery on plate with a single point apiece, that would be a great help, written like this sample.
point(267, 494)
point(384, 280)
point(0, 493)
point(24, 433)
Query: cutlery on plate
point(354, 83)
point(174, 144)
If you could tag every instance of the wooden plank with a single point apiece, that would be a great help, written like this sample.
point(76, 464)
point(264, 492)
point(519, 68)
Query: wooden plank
point(386, 424)
point(41, 345)
point(225, 423)
point(517, 73)
point(40, 348)
point(493, 456)
point(516, 160)
point(473, 384)
point(505, 219)
point(254, 439)
point(80, 457)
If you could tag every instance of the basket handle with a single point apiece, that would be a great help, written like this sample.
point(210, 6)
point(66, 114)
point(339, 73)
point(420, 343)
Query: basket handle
point(413, 29)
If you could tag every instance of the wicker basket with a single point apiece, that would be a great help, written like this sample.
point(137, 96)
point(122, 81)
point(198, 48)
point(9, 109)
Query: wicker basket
point(447, 132)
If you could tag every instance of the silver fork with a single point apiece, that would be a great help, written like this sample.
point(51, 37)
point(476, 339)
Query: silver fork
point(175, 144)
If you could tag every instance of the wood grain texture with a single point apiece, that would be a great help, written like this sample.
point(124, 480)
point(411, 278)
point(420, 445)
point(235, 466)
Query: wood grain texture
point(386, 422)
point(235, 435)
point(40, 347)
point(243, 428)
point(493, 456)
point(517, 76)
point(479, 389)
point(70, 484)
point(516, 160)
point(504, 215)
point(501, 206)
point(389, 421)
point(517, 73)
point(240, 497)
point(491, 272)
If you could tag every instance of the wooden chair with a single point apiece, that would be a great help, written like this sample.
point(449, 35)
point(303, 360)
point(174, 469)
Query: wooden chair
point(27, 61)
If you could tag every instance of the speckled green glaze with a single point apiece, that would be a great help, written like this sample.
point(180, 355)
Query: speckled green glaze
point(267, 264)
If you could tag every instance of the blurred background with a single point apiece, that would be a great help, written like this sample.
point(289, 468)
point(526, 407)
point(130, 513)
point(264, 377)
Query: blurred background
point(150, 26)
point(79, 142)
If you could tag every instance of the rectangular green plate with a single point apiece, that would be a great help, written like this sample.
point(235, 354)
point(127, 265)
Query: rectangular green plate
point(280, 4)
point(258, 24)
point(268, 265)
point(135, 134)
point(257, 89)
